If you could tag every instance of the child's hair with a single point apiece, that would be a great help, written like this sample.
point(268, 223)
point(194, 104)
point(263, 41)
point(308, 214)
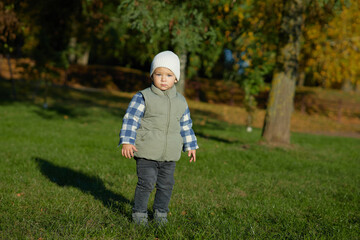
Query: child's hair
point(168, 60)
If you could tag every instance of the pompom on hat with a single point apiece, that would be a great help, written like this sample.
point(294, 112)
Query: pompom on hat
point(166, 59)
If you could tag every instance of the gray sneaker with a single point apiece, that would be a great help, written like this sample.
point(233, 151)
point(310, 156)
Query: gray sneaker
point(160, 218)
point(140, 219)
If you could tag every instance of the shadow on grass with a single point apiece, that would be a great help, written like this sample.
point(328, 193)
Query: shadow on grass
point(93, 185)
point(64, 100)
point(57, 110)
point(77, 103)
point(217, 138)
point(201, 114)
point(210, 125)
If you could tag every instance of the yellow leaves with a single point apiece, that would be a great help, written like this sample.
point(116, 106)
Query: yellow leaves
point(240, 16)
point(332, 51)
point(227, 36)
point(226, 8)
point(313, 32)
point(324, 75)
point(317, 76)
point(251, 35)
point(332, 32)
point(311, 62)
point(318, 48)
point(254, 21)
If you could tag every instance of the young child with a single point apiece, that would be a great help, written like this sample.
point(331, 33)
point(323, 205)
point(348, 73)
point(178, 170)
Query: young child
point(156, 128)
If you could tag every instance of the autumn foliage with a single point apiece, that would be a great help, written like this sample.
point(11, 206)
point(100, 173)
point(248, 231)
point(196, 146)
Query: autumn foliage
point(333, 50)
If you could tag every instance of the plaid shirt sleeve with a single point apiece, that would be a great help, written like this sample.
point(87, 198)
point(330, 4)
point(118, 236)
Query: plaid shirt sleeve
point(131, 120)
point(187, 133)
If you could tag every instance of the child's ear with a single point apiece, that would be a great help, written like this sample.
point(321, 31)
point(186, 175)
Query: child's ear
point(176, 81)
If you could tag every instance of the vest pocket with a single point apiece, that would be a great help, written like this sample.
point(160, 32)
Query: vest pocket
point(141, 135)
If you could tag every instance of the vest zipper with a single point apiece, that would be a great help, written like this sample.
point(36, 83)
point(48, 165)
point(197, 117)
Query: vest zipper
point(167, 125)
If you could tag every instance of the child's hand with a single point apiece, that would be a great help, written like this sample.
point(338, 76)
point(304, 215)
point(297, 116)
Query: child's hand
point(128, 150)
point(192, 155)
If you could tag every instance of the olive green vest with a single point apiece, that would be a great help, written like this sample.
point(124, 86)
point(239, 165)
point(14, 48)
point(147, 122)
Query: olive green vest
point(158, 138)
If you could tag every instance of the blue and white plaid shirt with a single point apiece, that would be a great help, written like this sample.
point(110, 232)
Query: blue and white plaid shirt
point(132, 118)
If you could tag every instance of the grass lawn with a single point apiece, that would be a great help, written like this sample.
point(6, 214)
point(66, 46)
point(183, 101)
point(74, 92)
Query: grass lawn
point(62, 177)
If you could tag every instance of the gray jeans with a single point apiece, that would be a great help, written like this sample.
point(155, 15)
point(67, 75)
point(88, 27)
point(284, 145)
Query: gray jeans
point(150, 174)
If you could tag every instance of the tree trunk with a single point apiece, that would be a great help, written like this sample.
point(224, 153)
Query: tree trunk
point(357, 87)
point(46, 92)
point(72, 46)
point(11, 77)
point(281, 99)
point(84, 58)
point(301, 79)
point(347, 85)
point(180, 86)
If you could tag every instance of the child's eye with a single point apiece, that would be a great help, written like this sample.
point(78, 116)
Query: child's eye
point(169, 75)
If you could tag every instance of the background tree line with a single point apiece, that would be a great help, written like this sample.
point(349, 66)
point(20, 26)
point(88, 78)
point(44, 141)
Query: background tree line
point(251, 42)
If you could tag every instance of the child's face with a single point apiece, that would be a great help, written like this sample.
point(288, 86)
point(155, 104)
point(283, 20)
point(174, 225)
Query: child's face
point(163, 78)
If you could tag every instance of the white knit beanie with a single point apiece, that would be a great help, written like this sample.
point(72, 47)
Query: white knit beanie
point(168, 60)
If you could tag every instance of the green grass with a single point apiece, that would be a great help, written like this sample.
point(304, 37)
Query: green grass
point(63, 177)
